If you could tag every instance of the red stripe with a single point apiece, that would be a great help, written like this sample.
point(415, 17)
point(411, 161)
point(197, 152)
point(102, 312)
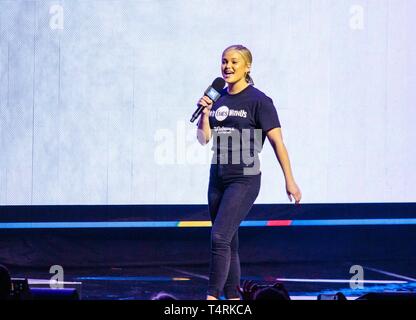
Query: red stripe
point(279, 223)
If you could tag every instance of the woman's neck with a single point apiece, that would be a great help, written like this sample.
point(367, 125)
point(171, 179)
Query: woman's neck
point(237, 87)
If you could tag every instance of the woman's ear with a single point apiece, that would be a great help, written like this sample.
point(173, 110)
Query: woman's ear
point(248, 68)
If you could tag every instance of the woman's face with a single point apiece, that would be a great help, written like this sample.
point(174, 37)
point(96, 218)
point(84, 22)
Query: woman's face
point(233, 67)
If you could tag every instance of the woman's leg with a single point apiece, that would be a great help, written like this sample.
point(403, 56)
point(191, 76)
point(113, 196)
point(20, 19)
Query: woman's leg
point(215, 192)
point(234, 274)
point(235, 204)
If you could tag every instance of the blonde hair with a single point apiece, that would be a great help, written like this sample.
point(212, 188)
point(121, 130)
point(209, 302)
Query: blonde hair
point(246, 54)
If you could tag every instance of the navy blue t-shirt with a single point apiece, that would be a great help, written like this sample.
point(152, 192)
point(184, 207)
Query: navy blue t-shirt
point(234, 118)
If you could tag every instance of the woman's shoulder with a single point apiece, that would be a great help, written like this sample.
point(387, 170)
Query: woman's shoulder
point(260, 95)
point(252, 93)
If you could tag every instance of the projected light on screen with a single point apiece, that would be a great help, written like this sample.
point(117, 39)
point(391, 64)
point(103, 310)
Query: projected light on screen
point(90, 90)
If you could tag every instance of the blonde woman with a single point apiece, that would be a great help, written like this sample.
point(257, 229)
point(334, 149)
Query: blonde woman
point(239, 121)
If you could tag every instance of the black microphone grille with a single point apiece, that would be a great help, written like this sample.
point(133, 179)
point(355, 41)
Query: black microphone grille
point(218, 84)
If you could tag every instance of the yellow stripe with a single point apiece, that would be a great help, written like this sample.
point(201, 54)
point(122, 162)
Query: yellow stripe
point(195, 224)
point(180, 279)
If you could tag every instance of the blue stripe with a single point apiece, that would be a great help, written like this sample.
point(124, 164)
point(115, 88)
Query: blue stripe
point(79, 225)
point(353, 222)
point(171, 224)
point(257, 223)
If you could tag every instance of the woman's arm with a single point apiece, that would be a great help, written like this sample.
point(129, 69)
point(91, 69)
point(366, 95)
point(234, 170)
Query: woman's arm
point(276, 140)
point(203, 133)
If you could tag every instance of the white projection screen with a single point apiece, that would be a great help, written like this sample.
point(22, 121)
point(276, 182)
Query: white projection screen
point(96, 97)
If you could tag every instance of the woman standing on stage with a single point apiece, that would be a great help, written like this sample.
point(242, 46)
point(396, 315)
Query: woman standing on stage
point(246, 115)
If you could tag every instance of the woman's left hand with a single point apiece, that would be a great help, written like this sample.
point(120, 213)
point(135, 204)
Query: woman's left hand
point(292, 189)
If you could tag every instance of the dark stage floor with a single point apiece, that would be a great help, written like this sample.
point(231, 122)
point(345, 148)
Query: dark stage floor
point(304, 281)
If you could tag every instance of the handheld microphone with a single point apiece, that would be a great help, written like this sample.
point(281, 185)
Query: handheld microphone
point(213, 92)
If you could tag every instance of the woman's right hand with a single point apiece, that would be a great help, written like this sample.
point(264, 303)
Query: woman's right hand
point(207, 103)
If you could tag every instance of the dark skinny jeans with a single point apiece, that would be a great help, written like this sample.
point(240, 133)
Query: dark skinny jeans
point(231, 195)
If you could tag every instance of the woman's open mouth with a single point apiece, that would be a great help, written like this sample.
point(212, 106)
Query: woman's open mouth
point(228, 74)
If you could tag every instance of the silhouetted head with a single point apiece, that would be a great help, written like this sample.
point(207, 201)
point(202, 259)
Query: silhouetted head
point(5, 283)
point(272, 293)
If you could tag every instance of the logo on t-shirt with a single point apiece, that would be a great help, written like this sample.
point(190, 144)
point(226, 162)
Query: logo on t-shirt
point(223, 112)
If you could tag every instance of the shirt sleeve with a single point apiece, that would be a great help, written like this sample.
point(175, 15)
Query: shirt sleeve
point(266, 115)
